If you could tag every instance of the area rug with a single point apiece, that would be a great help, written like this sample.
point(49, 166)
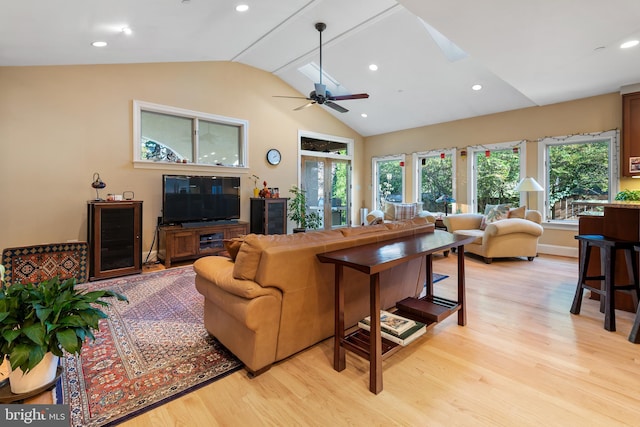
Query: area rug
point(146, 353)
point(33, 264)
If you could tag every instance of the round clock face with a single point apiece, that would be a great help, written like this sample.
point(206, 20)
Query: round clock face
point(273, 156)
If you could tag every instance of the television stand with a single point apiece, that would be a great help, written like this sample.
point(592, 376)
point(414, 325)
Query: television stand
point(180, 243)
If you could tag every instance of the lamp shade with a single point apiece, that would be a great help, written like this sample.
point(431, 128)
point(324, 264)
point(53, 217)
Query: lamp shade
point(528, 184)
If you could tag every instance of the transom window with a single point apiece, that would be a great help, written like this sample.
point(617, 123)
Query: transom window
point(175, 135)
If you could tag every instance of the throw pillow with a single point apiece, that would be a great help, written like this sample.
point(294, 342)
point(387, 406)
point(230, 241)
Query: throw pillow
point(233, 246)
point(375, 217)
point(493, 213)
point(405, 210)
point(517, 212)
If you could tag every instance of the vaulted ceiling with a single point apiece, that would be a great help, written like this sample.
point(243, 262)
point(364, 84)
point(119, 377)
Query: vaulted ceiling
point(429, 53)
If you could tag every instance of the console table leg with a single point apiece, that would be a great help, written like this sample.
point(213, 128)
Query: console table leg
point(375, 339)
point(339, 358)
point(428, 261)
point(462, 296)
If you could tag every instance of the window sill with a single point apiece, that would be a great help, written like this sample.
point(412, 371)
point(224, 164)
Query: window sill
point(560, 225)
point(188, 167)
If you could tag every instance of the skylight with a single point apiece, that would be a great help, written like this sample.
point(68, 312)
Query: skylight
point(312, 72)
point(451, 51)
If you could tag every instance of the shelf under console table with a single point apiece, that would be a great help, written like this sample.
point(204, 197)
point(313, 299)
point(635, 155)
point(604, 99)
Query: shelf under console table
point(191, 241)
point(374, 258)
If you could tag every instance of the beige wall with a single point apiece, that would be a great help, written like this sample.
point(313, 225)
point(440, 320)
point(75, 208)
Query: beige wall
point(594, 114)
point(59, 125)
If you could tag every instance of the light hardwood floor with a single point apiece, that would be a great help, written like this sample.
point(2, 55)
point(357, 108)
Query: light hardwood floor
point(522, 360)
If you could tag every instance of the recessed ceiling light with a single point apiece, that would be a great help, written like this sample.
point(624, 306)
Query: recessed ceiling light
point(373, 67)
point(476, 87)
point(127, 30)
point(630, 43)
point(99, 44)
point(364, 115)
point(242, 7)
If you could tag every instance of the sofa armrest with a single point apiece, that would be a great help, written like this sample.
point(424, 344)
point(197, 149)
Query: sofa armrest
point(219, 271)
point(468, 221)
point(513, 225)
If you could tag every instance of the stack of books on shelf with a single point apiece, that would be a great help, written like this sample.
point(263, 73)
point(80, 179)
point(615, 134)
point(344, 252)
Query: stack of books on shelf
point(396, 328)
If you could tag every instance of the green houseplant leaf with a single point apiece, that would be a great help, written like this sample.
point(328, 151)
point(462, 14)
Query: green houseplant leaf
point(298, 211)
point(50, 316)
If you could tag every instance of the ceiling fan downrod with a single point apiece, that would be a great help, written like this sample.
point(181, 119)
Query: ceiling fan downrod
point(320, 26)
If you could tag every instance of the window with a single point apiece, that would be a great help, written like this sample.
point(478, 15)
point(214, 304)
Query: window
point(580, 174)
point(388, 179)
point(435, 171)
point(175, 135)
point(496, 170)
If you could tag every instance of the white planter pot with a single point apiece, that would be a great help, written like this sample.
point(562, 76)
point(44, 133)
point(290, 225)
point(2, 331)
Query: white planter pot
point(43, 373)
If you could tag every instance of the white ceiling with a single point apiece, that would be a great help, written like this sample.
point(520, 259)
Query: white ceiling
point(524, 53)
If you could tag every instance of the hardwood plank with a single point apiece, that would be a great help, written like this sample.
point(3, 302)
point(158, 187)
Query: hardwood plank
point(522, 359)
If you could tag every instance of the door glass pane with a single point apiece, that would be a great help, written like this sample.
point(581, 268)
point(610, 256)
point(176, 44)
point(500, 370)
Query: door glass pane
point(218, 144)
point(165, 138)
point(313, 183)
point(339, 193)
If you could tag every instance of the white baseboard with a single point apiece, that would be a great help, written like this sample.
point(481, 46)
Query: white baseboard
point(558, 250)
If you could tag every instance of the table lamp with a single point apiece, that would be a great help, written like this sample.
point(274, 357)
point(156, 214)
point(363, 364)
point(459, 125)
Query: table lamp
point(528, 184)
point(446, 200)
point(97, 184)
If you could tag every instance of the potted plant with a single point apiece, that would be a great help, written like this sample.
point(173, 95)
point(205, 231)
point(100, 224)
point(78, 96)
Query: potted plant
point(39, 321)
point(298, 212)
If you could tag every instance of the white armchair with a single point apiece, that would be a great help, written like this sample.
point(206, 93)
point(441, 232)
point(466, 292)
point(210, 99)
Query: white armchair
point(512, 237)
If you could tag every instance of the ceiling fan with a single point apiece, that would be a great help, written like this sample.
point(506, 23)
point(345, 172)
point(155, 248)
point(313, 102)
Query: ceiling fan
point(321, 95)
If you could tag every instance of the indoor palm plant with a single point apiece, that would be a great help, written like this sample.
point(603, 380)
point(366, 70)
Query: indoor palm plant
point(40, 320)
point(298, 211)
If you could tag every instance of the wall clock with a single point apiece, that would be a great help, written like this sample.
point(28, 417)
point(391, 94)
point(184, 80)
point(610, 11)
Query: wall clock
point(273, 156)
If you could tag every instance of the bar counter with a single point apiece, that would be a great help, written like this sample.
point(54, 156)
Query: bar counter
point(621, 220)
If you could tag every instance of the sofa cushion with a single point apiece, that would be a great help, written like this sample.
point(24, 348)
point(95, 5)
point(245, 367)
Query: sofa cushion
point(356, 231)
point(493, 213)
point(478, 234)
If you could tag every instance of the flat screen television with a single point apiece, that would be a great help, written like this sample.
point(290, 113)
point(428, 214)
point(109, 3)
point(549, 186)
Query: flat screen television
point(188, 198)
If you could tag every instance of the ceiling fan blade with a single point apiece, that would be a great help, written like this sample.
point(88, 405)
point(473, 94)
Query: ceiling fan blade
point(302, 107)
point(292, 97)
point(321, 90)
point(352, 96)
point(338, 108)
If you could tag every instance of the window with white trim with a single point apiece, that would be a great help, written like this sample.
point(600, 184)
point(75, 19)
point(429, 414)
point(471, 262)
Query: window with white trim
point(388, 180)
point(175, 135)
point(580, 174)
point(495, 171)
point(435, 172)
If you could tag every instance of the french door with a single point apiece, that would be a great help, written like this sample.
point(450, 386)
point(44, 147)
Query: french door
point(327, 184)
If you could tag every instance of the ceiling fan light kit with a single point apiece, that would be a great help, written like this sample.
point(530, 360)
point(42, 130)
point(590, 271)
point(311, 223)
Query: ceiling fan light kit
point(321, 95)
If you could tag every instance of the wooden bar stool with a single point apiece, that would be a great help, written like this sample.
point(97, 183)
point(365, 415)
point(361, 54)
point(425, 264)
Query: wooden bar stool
point(608, 247)
point(634, 336)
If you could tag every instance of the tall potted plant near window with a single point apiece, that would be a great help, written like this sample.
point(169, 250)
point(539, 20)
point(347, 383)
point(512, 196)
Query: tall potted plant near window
point(299, 213)
point(39, 321)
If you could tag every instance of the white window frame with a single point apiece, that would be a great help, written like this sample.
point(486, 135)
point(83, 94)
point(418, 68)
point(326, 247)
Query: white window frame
point(543, 168)
point(375, 180)
point(417, 176)
point(243, 125)
point(472, 191)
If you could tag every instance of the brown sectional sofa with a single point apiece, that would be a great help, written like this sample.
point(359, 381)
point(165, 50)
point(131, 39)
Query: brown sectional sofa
point(276, 298)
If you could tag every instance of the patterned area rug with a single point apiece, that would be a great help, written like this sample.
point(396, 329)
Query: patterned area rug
point(33, 264)
point(146, 353)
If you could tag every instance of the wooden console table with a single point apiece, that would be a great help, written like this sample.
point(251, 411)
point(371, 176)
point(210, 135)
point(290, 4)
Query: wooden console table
point(373, 258)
